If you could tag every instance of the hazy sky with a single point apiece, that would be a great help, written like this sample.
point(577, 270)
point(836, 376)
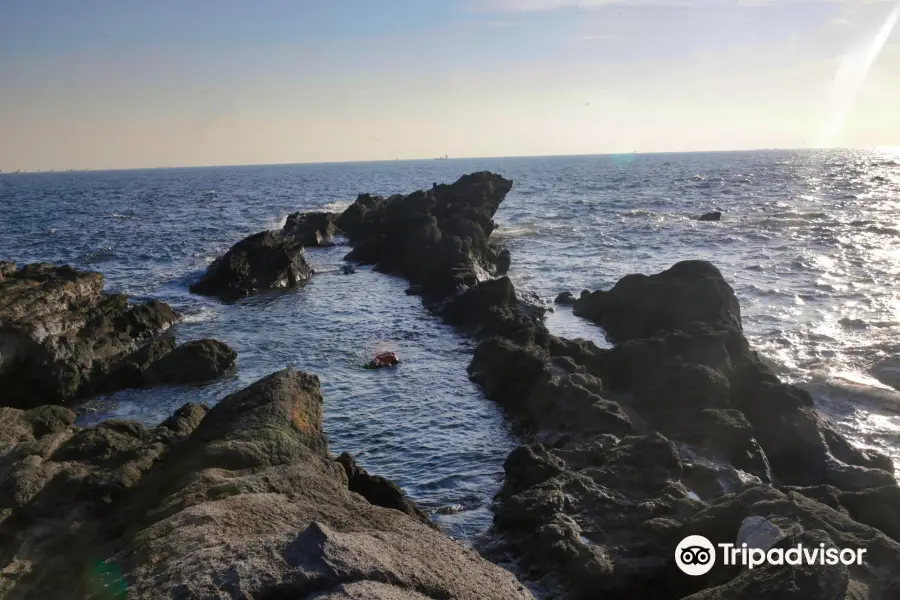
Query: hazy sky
point(143, 83)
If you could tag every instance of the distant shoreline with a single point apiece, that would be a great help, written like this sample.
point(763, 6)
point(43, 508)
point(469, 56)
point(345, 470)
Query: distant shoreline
point(425, 160)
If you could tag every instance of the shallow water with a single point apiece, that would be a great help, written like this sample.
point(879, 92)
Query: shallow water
point(809, 241)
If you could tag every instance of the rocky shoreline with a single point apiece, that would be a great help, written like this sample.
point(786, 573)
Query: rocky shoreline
point(678, 429)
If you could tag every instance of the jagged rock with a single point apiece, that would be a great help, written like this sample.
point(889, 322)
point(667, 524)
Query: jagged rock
point(565, 298)
point(711, 216)
point(503, 261)
point(787, 582)
point(721, 522)
point(602, 520)
point(245, 501)
point(877, 507)
point(437, 239)
point(681, 350)
point(192, 362)
point(380, 491)
point(7, 268)
point(641, 306)
point(311, 228)
point(492, 307)
point(550, 395)
point(59, 333)
point(263, 261)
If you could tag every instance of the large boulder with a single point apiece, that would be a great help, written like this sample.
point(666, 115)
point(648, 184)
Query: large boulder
point(681, 350)
point(263, 261)
point(310, 228)
point(245, 501)
point(640, 306)
point(196, 361)
point(492, 307)
point(437, 239)
point(161, 362)
point(60, 333)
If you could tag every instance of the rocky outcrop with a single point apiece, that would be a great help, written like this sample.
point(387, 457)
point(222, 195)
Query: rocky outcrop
point(711, 216)
point(311, 228)
point(437, 239)
point(380, 491)
point(640, 439)
point(242, 501)
point(807, 522)
point(641, 306)
point(162, 362)
point(263, 261)
point(59, 333)
point(492, 307)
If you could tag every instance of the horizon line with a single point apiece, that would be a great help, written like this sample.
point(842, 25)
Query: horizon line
point(389, 160)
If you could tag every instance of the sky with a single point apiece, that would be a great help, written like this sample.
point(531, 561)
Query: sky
point(103, 84)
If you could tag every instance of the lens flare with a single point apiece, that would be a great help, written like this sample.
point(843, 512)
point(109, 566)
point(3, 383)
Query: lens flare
point(850, 77)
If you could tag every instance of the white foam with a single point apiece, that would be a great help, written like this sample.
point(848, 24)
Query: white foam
point(336, 206)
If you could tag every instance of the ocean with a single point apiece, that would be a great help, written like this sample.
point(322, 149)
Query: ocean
point(810, 241)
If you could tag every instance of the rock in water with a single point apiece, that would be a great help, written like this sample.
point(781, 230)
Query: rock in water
point(645, 439)
point(59, 333)
point(641, 305)
point(437, 239)
point(192, 362)
point(711, 216)
point(244, 502)
point(263, 261)
point(565, 298)
point(311, 228)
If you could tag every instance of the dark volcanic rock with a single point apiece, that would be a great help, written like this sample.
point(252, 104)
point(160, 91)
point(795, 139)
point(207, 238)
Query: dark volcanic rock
point(640, 306)
point(711, 216)
point(311, 228)
point(192, 362)
point(161, 362)
point(380, 491)
point(243, 502)
point(556, 396)
point(565, 298)
point(600, 519)
point(437, 239)
point(786, 582)
point(59, 333)
point(721, 522)
point(594, 517)
point(492, 307)
point(262, 261)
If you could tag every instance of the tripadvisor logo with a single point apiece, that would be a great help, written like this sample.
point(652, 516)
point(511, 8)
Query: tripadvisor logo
point(696, 555)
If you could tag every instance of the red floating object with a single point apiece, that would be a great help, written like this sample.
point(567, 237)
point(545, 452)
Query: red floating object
point(384, 359)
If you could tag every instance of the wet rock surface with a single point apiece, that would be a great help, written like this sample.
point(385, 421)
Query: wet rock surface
point(60, 333)
point(263, 261)
point(243, 500)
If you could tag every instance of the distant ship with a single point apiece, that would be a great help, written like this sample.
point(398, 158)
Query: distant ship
point(444, 157)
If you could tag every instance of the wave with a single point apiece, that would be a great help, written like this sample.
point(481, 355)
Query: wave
point(855, 389)
point(276, 224)
point(524, 230)
point(337, 206)
point(200, 316)
point(123, 217)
